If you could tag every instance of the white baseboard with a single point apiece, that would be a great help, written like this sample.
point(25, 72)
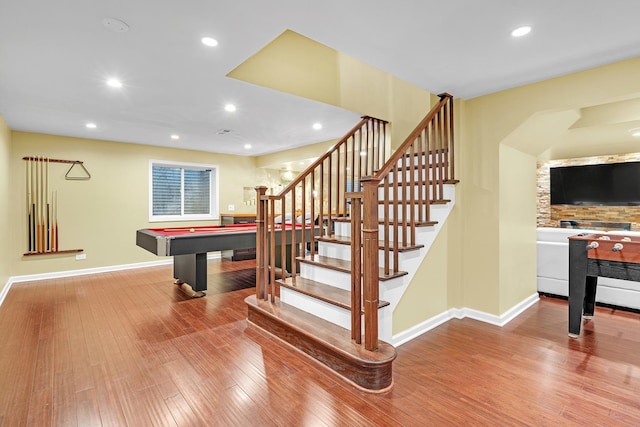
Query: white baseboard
point(461, 313)
point(82, 272)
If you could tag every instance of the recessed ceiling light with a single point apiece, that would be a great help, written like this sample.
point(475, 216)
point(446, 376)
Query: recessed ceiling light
point(317, 126)
point(209, 41)
point(230, 108)
point(174, 136)
point(247, 146)
point(521, 31)
point(114, 83)
point(91, 126)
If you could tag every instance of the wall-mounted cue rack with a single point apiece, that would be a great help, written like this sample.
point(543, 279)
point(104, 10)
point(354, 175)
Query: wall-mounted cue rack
point(43, 233)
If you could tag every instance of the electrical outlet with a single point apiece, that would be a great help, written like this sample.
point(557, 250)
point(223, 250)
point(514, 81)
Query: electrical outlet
point(81, 256)
point(231, 208)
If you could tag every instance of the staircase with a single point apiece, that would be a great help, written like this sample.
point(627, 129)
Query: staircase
point(339, 245)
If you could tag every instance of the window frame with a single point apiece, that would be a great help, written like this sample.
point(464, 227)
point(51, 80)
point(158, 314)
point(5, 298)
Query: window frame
point(213, 191)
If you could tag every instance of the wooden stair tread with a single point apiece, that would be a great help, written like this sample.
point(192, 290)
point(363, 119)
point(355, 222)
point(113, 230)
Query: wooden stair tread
point(327, 293)
point(344, 266)
point(346, 240)
point(334, 336)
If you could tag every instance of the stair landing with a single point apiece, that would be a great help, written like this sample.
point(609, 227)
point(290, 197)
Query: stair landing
point(326, 343)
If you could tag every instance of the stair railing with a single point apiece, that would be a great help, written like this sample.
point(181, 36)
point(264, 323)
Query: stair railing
point(354, 181)
point(397, 198)
point(310, 204)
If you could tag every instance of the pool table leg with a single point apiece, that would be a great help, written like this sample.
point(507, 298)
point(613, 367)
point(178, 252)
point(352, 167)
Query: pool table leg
point(191, 269)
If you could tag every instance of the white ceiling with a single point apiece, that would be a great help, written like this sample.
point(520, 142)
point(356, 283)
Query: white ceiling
point(56, 54)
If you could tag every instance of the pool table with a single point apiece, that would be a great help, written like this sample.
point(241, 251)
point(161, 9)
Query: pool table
point(189, 247)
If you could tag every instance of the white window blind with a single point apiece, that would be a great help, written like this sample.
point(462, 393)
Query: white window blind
point(182, 191)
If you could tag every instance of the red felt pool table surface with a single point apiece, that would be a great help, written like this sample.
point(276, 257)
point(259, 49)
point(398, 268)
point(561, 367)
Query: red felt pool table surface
point(203, 229)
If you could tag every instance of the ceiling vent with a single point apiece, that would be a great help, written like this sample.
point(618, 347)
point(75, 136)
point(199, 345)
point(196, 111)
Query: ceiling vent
point(115, 25)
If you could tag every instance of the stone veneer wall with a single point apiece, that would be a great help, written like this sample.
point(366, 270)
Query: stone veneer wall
point(550, 216)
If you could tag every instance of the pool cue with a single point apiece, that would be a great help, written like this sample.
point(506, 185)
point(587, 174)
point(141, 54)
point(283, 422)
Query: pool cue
point(39, 204)
point(27, 196)
point(42, 214)
point(48, 228)
point(40, 207)
point(32, 209)
point(33, 206)
point(36, 203)
point(53, 219)
point(55, 216)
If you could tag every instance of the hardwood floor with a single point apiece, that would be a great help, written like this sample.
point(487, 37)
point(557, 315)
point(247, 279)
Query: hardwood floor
point(129, 349)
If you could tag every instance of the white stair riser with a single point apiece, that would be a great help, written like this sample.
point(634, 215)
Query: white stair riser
point(325, 275)
point(390, 290)
point(340, 251)
point(324, 310)
point(344, 229)
point(334, 314)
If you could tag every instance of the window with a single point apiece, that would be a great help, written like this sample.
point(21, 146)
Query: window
point(182, 191)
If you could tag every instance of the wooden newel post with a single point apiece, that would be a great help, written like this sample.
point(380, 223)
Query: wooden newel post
point(261, 244)
point(370, 271)
point(356, 265)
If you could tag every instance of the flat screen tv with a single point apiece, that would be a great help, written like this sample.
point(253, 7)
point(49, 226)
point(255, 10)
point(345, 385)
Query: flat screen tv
point(608, 184)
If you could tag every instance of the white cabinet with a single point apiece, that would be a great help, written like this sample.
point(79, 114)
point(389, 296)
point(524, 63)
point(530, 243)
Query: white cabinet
point(553, 269)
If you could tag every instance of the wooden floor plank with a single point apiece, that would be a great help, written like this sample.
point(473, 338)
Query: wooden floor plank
point(128, 348)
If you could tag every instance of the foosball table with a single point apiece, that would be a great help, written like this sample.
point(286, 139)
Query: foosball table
point(596, 255)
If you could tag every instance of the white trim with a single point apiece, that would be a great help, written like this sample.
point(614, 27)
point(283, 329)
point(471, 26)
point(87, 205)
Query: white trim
point(214, 201)
point(5, 291)
point(85, 271)
point(461, 313)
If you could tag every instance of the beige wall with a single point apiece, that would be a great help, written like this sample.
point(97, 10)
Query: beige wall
point(427, 295)
point(488, 171)
point(101, 215)
point(286, 158)
point(517, 228)
point(298, 65)
point(5, 224)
